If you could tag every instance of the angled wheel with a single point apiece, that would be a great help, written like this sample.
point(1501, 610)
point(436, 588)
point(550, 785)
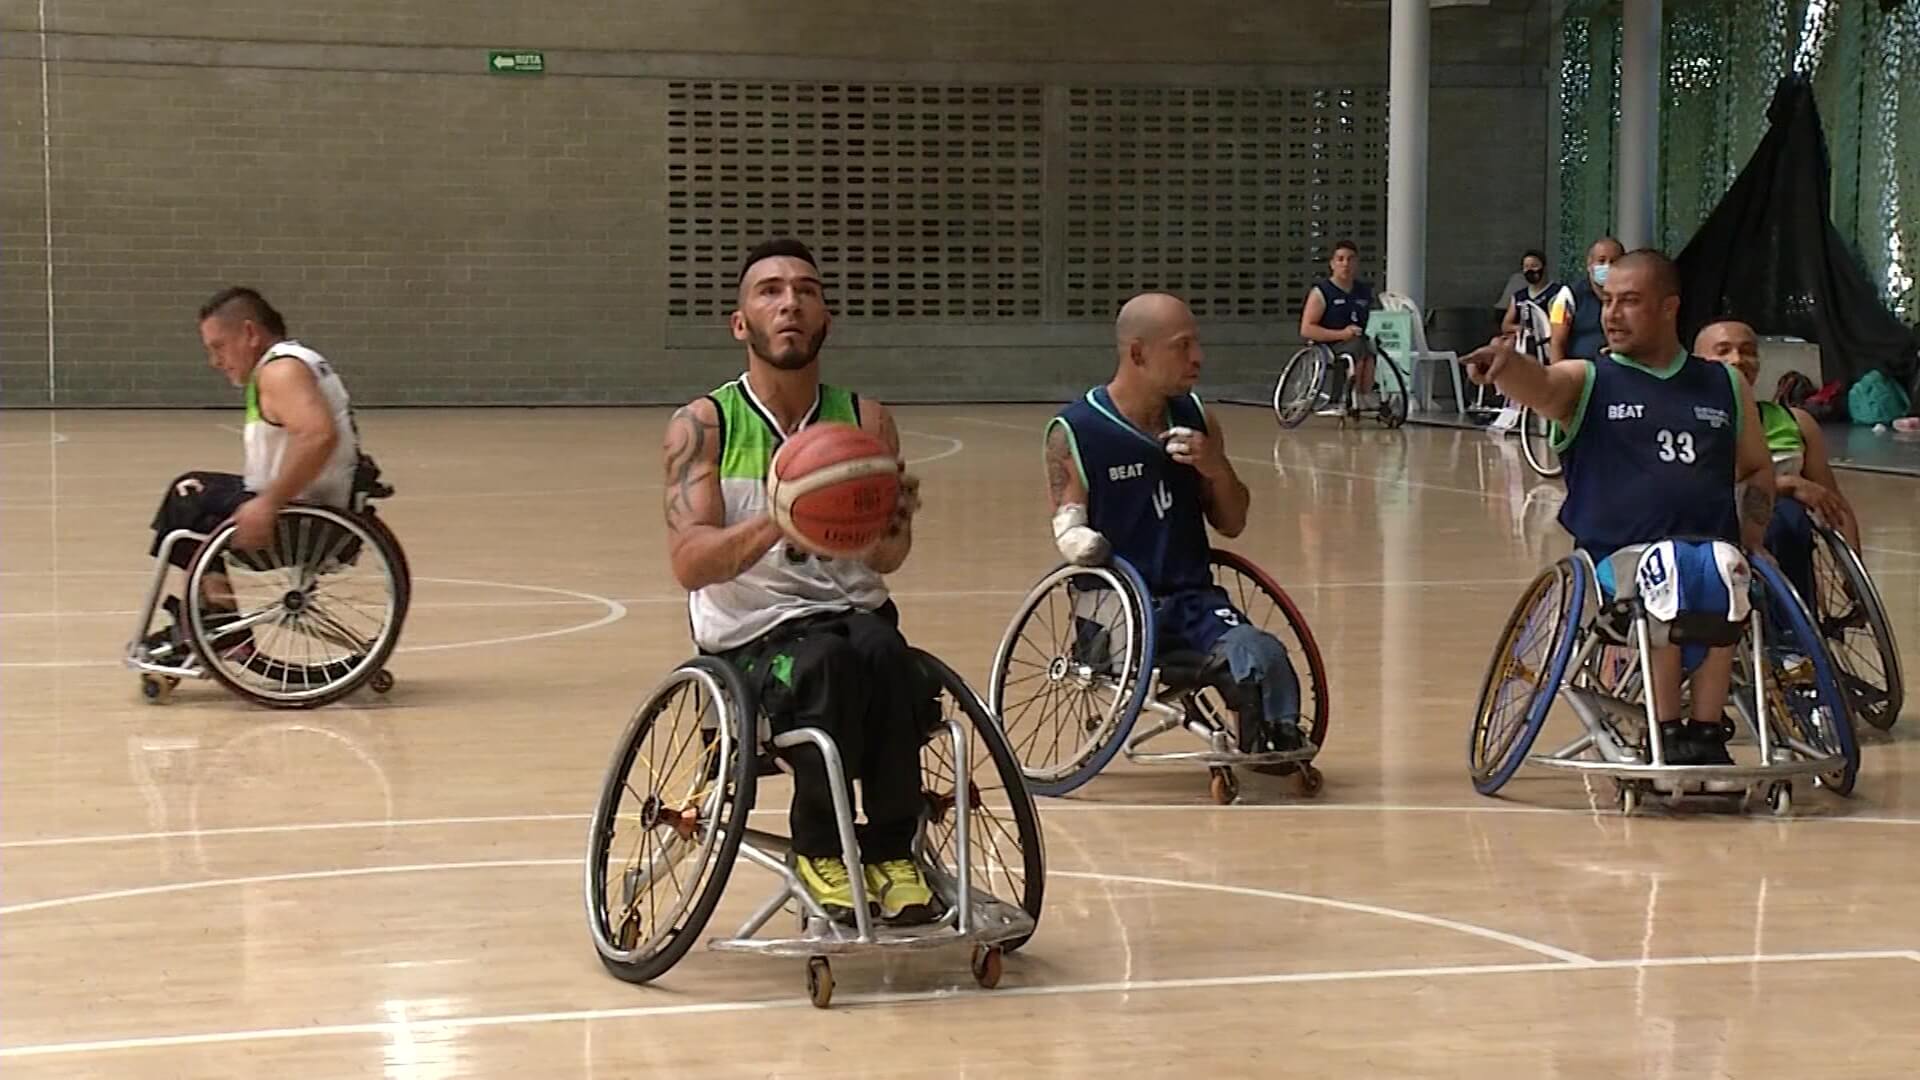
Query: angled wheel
point(1854, 621)
point(1267, 606)
point(670, 817)
point(1390, 386)
point(1527, 667)
point(1300, 389)
point(1006, 855)
point(1536, 442)
point(305, 620)
point(1802, 682)
point(1072, 673)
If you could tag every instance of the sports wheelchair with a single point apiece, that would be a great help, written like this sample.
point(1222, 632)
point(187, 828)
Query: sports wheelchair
point(1318, 380)
point(1079, 665)
point(1859, 636)
point(1567, 641)
point(671, 822)
point(300, 623)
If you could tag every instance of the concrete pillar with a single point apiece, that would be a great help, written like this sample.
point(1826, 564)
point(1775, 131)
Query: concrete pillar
point(1637, 150)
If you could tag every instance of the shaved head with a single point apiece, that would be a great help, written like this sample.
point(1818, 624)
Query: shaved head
point(1149, 316)
point(1662, 276)
point(1730, 341)
point(1159, 344)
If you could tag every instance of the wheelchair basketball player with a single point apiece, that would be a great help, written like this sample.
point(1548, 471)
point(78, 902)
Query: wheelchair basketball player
point(1139, 469)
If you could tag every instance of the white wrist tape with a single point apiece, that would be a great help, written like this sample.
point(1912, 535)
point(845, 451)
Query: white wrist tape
point(1078, 544)
point(1177, 440)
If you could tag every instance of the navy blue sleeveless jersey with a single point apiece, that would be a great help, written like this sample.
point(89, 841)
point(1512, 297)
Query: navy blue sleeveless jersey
point(1652, 455)
point(1150, 507)
point(1344, 308)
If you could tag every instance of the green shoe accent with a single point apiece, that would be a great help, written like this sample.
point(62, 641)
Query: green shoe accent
point(827, 881)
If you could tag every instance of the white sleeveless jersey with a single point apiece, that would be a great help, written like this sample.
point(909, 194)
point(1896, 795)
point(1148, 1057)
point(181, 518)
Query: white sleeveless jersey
point(266, 442)
point(787, 583)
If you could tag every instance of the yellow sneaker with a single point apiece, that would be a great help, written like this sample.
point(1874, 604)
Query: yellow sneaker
point(827, 882)
point(901, 891)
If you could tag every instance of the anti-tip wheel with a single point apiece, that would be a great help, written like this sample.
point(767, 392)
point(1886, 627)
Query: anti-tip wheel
point(819, 982)
point(381, 682)
point(1310, 780)
point(1223, 786)
point(986, 966)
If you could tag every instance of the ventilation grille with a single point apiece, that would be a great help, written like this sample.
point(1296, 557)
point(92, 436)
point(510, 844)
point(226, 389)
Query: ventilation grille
point(1231, 198)
point(921, 202)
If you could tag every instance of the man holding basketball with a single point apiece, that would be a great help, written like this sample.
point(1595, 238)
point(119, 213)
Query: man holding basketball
point(1139, 469)
point(816, 637)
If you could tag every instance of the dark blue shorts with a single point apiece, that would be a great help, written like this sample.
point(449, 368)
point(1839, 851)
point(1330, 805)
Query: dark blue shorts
point(1192, 620)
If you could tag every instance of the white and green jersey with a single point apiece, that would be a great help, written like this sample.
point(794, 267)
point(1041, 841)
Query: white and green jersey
point(266, 441)
point(787, 583)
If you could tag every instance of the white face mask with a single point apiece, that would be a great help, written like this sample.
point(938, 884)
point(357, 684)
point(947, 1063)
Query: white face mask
point(1600, 273)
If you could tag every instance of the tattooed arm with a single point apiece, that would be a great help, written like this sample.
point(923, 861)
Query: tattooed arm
point(1753, 474)
point(892, 552)
point(1064, 487)
point(703, 549)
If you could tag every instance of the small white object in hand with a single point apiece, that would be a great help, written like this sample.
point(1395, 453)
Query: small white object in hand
point(1177, 440)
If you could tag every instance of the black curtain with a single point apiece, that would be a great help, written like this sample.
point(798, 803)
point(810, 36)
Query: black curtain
point(1769, 256)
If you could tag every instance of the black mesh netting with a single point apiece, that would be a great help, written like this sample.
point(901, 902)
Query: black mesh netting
point(1770, 256)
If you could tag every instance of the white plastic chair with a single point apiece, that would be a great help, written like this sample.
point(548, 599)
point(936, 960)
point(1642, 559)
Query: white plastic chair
point(1422, 356)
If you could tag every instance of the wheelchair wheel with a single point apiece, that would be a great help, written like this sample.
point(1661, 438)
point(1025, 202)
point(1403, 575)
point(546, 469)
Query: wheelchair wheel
point(1267, 606)
point(1806, 678)
point(1525, 674)
point(307, 619)
point(1859, 637)
point(1005, 852)
point(1536, 442)
point(1391, 388)
point(1299, 390)
point(670, 817)
point(1073, 672)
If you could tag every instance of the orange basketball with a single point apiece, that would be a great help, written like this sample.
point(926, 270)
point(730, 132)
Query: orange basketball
point(833, 489)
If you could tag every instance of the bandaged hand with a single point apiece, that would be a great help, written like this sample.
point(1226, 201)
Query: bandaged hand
point(1078, 544)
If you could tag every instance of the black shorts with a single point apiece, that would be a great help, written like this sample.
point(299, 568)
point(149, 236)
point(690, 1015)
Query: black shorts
point(198, 501)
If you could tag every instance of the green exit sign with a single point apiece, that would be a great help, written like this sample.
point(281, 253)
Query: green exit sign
point(504, 62)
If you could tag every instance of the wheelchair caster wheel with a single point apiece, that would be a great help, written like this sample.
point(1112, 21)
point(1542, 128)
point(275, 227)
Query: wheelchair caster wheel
point(819, 982)
point(1629, 799)
point(157, 688)
point(381, 682)
point(1223, 786)
point(1780, 799)
point(1311, 781)
point(986, 966)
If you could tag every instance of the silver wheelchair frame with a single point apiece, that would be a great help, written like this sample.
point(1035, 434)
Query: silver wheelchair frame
point(1140, 688)
point(972, 916)
point(1318, 402)
point(1602, 706)
point(162, 669)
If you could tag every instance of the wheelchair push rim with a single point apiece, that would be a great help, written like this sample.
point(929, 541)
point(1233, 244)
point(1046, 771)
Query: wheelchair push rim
point(1260, 598)
point(1045, 694)
point(675, 825)
point(304, 621)
point(1536, 444)
point(1529, 662)
point(1850, 609)
point(1298, 390)
point(1810, 694)
point(1006, 855)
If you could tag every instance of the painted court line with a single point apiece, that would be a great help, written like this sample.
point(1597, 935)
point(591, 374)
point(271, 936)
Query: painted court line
point(445, 1026)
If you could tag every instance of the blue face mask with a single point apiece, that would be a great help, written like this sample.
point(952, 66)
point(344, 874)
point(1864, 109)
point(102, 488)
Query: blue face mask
point(1600, 273)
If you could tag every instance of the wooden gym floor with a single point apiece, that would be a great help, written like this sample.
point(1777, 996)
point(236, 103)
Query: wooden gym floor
point(391, 887)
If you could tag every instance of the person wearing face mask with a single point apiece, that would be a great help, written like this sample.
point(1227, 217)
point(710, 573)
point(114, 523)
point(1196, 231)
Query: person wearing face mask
point(1534, 288)
point(1575, 316)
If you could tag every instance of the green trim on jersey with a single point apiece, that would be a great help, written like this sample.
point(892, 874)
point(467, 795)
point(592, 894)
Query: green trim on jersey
point(748, 440)
point(253, 398)
point(1667, 372)
point(1561, 436)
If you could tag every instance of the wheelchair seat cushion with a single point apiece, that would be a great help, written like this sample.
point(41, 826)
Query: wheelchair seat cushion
point(1182, 671)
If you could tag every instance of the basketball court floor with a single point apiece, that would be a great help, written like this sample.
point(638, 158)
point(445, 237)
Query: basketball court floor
point(390, 886)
